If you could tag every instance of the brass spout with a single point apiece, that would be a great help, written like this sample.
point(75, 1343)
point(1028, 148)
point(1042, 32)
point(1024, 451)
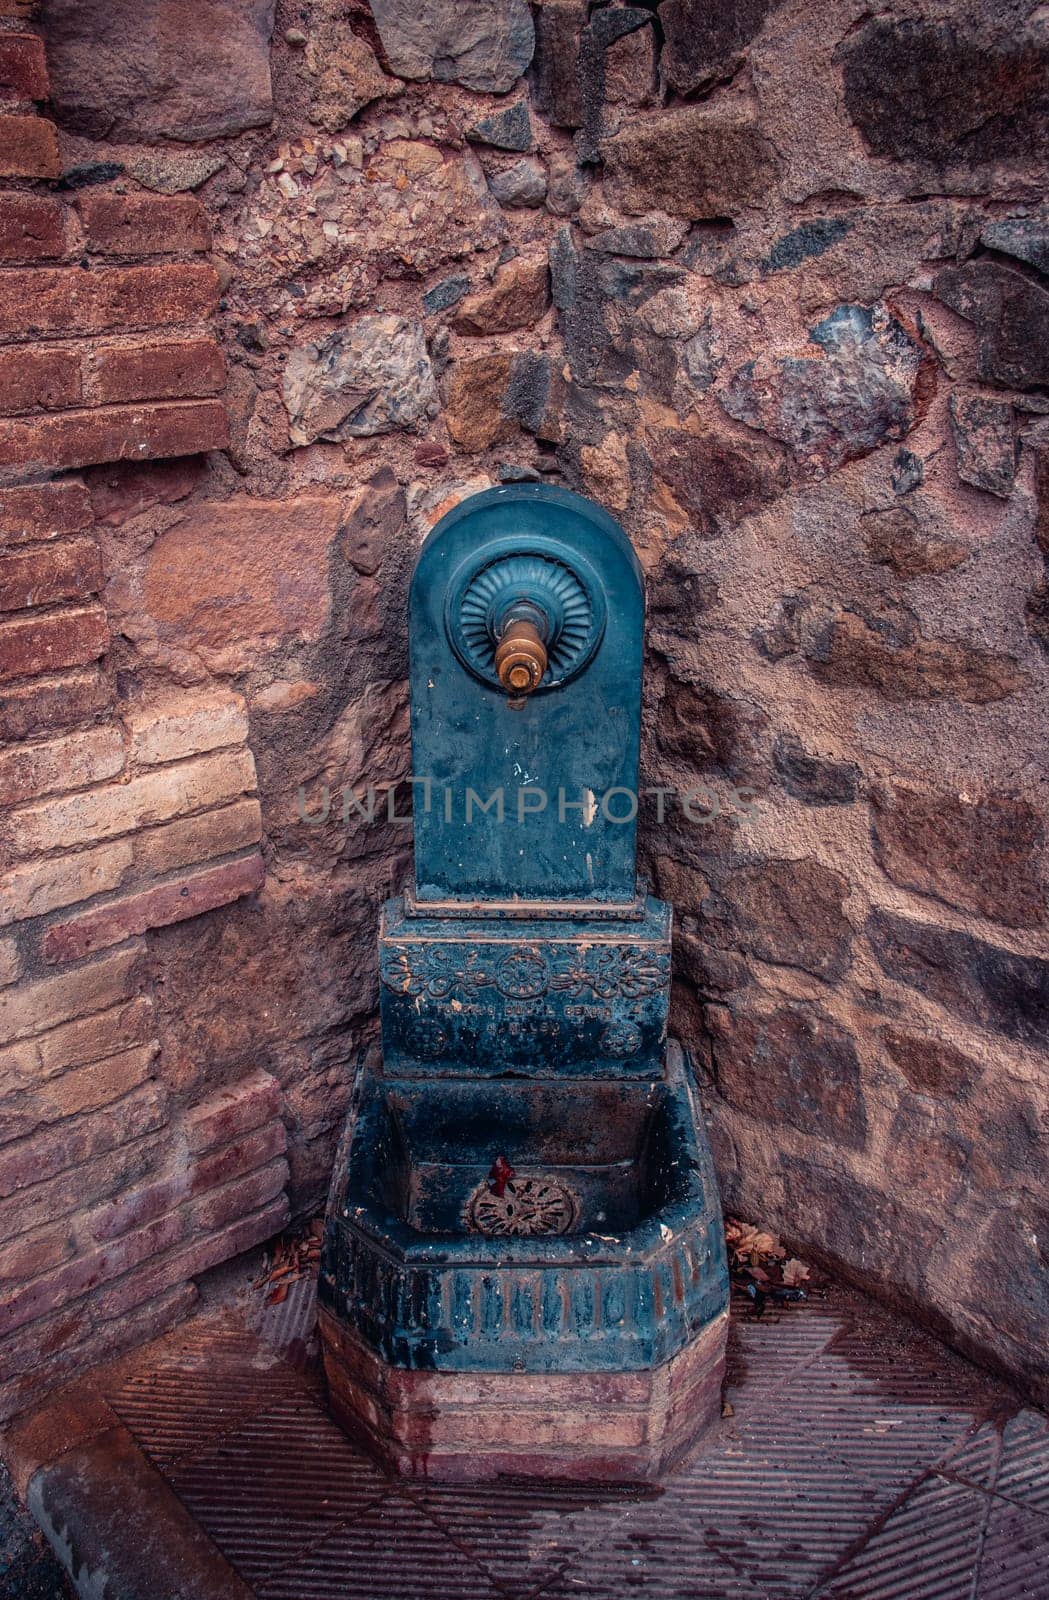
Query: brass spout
point(520, 658)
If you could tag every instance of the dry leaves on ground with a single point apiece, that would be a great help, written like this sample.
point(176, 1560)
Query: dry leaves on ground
point(760, 1266)
point(294, 1257)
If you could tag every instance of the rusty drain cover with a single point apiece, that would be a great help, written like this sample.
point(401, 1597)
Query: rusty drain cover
point(527, 1206)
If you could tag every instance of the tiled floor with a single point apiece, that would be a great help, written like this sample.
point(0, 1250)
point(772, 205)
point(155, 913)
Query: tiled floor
point(858, 1461)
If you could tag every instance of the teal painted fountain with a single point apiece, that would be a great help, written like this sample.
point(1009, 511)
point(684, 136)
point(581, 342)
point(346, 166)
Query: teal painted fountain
point(524, 1265)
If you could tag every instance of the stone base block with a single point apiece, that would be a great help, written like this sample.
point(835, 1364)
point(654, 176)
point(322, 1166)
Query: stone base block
point(586, 1426)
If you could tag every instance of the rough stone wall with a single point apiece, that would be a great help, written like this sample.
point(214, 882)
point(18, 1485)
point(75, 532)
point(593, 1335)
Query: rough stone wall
point(766, 280)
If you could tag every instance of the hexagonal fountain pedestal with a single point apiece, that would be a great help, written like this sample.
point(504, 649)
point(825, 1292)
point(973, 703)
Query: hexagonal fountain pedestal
point(524, 1263)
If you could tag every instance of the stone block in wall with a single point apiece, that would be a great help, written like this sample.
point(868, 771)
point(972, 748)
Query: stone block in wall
point(985, 443)
point(792, 1065)
point(28, 148)
point(705, 40)
point(156, 907)
point(963, 91)
point(1011, 314)
point(73, 820)
point(699, 162)
point(979, 853)
point(32, 228)
point(518, 296)
point(485, 47)
point(40, 575)
point(232, 578)
point(979, 982)
point(148, 70)
point(35, 644)
point(114, 433)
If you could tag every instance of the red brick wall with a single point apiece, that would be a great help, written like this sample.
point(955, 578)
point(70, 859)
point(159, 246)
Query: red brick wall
point(120, 814)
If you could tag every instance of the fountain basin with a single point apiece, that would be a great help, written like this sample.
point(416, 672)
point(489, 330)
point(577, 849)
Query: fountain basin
point(604, 1341)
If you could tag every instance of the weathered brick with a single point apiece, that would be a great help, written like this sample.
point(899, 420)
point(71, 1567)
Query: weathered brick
point(200, 838)
point(68, 638)
point(186, 724)
point(158, 907)
point(233, 1111)
point(39, 1251)
point(114, 1172)
point(124, 1212)
point(72, 762)
point(23, 70)
point(240, 1198)
point(244, 1155)
point(53, 1150)
point(28, 148)
point(44, 510)
point(34, 379)
point(42, 886)
point(200, 1256)
point(56, 702)
point(32, 228)
point(51, 1001)
point(22, 9)
point(172, 370)
point(10, 962)
point(115, 433)
point(76, 1044)
point(41, 574)
point(53, 1290)
point(154, 797)
point(49, 300)
point(47, 1352)
point(68, 1094)
point(143, 224)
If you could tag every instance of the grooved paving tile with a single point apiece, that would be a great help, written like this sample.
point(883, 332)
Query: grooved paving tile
point(765, 1352)
point(781, 1517)
point(1023, 1474)
point(977, 1458)
point(882, 1440)
point(282, 1480)
point(652, 1552)
point(175, 1412)
point(391, 1552)
point(927, 1550)
point(860, 1461)
point(1015, 1563)
point(521, 1533)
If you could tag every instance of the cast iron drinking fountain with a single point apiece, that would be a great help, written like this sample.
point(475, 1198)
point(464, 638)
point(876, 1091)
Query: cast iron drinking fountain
point(524, 1264)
